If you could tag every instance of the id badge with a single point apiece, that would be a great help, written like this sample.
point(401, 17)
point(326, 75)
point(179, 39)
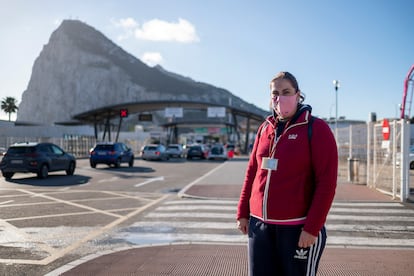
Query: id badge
point(269, 163)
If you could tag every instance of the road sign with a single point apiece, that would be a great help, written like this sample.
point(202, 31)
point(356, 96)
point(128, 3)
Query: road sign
point(213, 112)
point(385, 130)
point(171, 112)
point(145, 117)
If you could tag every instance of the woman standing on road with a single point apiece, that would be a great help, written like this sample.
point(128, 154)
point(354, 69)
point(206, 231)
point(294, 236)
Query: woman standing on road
point(289, 186)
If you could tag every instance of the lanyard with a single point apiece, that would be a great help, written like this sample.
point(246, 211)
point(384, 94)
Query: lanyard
point(281, 127)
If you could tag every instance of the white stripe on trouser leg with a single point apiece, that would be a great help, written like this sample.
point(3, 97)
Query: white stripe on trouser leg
point(314, 252)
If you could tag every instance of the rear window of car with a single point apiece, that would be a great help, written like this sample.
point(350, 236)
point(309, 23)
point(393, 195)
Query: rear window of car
point(104, 147)
point(150, 148)
point(21, 150)
point(173, 147)
point(217, 150)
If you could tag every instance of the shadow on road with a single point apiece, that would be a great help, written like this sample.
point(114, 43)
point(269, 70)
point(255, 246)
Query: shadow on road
point(52, 180)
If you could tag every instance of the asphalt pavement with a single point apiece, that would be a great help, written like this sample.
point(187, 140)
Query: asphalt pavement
point(231, 259)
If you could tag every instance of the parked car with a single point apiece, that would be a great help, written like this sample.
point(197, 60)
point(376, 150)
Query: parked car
point(197, 151)
point(154, 152)
point(217, 151)
point(38, 158)
point(175, 150)
point(2, 151)
point(111, 154)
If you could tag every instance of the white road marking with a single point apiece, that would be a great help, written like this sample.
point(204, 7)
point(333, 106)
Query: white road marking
point(151, 238)
point(369, 228)
point(112, 179)
point(195, 214)
point(369, 241)
point(197, 207)
point(184, 190)
point(367, 204)
point(201, 201)
point(161, 178)
point(372, 210)
point(185, 224)
point(362, 217)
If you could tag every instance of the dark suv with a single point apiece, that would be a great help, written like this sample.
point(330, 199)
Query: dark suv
point(111, 154)
point(39, 158)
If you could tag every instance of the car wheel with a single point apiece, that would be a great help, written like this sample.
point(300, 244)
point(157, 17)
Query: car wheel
point(8, 175)
point(93, 164)
point(71, 168)
point(43, 172)
point(118, 163)
point(412, 165)
point(131, 162)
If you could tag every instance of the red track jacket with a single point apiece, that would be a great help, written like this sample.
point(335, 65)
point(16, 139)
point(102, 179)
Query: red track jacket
point(302, 187)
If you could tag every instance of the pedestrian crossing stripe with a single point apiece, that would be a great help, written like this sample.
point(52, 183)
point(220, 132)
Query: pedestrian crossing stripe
point(362, 217)
point(367, 204)
point(198, 207)
point(153, 238)
point(372, 210)
point(370, 228)
point(348, 224)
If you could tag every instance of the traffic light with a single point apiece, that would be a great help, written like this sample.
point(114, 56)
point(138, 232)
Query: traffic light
point(123, 113)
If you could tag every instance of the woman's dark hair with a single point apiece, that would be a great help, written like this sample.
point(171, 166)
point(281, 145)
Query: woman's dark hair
point(291, 78)
point(287, 76)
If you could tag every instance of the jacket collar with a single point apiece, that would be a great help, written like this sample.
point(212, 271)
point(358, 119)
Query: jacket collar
point(302, 115)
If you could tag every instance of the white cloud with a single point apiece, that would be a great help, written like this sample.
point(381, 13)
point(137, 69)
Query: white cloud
point(152, 58)
point(128, 25)
point(158, 30)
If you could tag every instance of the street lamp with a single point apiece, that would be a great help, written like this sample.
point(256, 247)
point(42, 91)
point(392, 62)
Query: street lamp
point(336, 84)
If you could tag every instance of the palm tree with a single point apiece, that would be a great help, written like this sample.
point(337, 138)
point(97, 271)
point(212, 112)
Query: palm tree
point(9, 105)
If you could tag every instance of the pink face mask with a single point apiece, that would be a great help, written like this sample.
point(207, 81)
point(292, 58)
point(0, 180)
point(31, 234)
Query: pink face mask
point(285, 106)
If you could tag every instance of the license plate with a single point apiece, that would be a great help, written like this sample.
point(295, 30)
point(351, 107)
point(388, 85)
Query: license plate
point(17, 161)
point(101, 153)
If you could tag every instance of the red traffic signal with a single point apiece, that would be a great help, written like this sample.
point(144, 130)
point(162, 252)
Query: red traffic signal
point(123, 113)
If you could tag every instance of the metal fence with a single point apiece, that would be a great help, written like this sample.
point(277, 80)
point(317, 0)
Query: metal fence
point(76, 145)
point(366, 158)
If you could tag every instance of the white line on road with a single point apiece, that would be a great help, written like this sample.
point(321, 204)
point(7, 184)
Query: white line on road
point(112, 179)
point(191, 215)
point(185, 189)
point(369, 218)
point(369, 228)
point(160, 178)
point(372, 210)
point(185, 225)
point(197, 207)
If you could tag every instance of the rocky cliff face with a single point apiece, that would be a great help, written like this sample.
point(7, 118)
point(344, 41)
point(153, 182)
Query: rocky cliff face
point(81, 70)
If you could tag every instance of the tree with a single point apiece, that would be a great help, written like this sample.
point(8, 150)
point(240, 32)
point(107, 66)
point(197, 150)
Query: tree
point(9, 105)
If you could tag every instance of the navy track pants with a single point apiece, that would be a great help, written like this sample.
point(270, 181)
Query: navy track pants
point(273, 250)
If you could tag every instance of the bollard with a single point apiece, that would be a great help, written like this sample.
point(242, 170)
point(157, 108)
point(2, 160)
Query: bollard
point(353, 170)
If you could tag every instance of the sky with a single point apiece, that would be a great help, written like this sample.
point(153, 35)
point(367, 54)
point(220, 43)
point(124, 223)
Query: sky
point(238, 45)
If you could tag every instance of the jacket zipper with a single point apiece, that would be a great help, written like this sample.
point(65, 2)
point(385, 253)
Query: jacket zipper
point(269, 173)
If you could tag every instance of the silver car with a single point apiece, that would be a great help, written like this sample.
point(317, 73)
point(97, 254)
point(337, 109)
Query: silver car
point(175, 150)
point(154, 152)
